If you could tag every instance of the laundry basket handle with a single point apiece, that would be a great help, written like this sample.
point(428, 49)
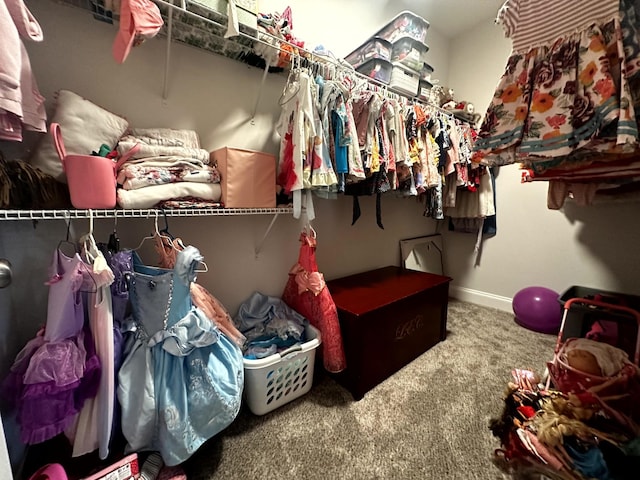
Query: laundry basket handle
point(290, 350)
point(610, 306)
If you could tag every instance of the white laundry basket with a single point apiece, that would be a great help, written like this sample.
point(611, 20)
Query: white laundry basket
point(272, 381)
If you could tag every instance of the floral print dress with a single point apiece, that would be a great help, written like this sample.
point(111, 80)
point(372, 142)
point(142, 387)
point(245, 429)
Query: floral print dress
point(563, 99)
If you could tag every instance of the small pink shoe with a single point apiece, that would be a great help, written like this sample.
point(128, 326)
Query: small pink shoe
point(52, 471)
point(172, 473)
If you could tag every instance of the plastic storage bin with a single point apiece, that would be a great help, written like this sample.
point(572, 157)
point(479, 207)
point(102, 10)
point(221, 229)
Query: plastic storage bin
point(425, 72)
point(405, 24)
point(582, 318)
point(424, 90)
point(377, 69)
point(404, 80)
point(272, 381)
point(371, 49)
point(409, 52)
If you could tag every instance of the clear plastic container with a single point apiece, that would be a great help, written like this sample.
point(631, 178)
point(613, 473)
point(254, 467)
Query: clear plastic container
point(377, 69)
point(424, 90)
point(405, 24)
point(404, 80)
point(408, 52)
point(425, 73)
point(373, 48)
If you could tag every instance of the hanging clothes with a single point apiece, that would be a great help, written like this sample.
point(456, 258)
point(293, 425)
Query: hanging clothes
point(58, 370)
point(565, 96)
point(92, 427)
point(296, 128)
point(167, 250)
point(21, 105)
point(307, 293)
point(181, 381)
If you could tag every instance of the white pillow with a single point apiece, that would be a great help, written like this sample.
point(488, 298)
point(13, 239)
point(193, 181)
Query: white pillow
point(84, 126)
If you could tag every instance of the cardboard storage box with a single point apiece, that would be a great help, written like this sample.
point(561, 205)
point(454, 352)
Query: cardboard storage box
point(247, 177)
point(388, 317)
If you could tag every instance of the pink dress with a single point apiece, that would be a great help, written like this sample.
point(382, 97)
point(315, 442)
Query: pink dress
point(307, 293)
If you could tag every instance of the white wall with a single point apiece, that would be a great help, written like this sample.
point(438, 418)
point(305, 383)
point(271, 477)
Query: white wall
point(594, 246)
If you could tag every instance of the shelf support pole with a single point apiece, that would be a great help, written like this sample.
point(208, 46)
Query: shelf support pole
point(255, 107)
point(266, 234)
point(167, 60)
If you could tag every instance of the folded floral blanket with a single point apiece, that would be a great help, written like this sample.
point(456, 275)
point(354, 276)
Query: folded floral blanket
point(150, 148)
point(134, 176)
point(168, 137)
point(149, 197)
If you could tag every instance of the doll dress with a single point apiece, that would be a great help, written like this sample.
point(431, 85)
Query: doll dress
point(564, 97)
point(181, 381)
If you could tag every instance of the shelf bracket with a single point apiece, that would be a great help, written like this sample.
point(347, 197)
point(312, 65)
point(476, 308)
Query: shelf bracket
point(266, 234)
point(167, 59)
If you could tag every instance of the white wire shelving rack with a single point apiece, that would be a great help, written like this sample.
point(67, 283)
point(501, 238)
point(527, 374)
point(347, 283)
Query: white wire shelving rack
point(15, 214)
point(70, 214)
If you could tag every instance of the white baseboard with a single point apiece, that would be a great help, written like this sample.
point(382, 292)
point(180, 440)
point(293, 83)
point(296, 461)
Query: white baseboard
point(481, 298)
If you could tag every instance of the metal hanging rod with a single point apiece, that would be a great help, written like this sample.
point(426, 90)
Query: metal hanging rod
point(294, 51)
point(142, 213)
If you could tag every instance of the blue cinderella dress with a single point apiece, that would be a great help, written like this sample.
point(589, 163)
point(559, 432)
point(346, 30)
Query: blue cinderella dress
point(181, 380)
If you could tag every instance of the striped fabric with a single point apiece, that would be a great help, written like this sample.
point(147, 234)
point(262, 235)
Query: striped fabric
point(537, 22)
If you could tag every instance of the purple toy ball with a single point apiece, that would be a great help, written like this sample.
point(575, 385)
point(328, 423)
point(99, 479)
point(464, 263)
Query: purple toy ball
point(538, 309)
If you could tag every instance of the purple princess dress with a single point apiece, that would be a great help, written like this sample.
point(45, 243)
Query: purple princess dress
point(58, 370)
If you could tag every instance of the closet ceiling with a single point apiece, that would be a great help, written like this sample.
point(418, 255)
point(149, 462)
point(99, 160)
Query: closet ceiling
point(451, 18)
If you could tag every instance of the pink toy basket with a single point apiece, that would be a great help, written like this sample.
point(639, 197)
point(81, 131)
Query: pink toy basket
point(618, 395)
point(91, 178)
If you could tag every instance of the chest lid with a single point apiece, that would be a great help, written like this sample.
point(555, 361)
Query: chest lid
point(368, 291)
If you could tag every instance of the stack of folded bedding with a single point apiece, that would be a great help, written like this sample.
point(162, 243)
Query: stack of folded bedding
point(169, 169)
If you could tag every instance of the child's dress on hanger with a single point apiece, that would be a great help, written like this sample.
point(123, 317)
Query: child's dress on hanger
point(93, 426)
point(181, 381)
point(564, 98)
point(167, 250)
point(58, 370)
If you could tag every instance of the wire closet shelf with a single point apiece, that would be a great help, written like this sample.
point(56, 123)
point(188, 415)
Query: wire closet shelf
point(297, 53)
point(14, 214)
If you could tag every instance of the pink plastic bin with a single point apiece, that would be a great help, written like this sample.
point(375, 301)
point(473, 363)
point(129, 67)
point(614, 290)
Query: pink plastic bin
point(91, 178)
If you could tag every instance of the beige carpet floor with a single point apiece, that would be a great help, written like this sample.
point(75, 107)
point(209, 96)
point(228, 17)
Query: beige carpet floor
point(427, 421)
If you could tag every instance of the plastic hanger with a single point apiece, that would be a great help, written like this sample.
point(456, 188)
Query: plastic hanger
point(91, 252)
point(165, 230)
point(113, 245)
point(156, 233)
point(66, 241)
point(89, 243)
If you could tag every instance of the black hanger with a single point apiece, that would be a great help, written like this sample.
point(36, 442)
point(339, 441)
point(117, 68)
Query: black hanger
point(67, 242)
point(113, 245)
point(165, 230)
